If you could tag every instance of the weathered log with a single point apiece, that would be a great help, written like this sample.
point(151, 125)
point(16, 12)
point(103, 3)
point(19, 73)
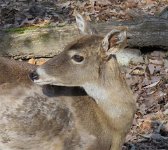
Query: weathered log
point(149, 32)
point(47, 42)
point(36, 42)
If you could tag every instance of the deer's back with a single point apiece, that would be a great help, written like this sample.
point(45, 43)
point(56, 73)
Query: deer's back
point(32, 120)
point(12, 71)
point(48, 117)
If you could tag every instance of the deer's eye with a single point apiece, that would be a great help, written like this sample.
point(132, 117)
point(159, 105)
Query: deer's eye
point(78, 58)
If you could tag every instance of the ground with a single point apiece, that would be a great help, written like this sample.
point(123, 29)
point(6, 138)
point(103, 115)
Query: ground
point(148, 77)
point(149, 82)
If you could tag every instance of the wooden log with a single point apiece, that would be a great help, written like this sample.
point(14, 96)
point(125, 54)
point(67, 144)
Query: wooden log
point(36, 42)
point(47, 42)
point(149, 32)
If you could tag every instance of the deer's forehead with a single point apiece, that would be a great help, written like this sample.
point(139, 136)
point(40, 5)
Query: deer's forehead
point(84, 43)
point(86, 52)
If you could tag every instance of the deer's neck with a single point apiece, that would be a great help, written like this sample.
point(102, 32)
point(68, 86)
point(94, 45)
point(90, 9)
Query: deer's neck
point(111, 93)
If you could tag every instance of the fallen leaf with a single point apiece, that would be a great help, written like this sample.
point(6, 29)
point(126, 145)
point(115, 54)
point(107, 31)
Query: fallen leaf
point(165, 63)
point(166, 112)
point(150, 1)
point(157, 54)
point(131, 4)
point(138, 71)
point(102, 2)
point(32, 61)
point(151, 68)
point(155, 61)
point(152, 85)
point(145, 126)
point(40, 61)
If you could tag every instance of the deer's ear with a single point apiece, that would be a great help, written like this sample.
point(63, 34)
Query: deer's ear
point(114, 41)
point(83, 25)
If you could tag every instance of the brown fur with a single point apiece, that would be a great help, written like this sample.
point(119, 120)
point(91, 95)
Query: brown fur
point(35, 121)
point(106, 119)
point(65, 118)
point(69, 121)
point(14, 72)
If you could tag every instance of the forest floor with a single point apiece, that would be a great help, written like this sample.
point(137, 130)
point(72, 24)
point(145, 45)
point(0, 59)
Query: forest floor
point(148, 78)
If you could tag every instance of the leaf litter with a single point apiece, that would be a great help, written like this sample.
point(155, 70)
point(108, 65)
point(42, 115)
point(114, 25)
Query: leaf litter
point(149, 85)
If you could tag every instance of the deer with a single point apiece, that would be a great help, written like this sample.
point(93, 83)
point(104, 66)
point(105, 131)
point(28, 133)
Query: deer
point(78, 100)
point(30, 115)
point(103, 119)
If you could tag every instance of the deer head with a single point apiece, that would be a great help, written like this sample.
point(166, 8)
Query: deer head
point(82, 60)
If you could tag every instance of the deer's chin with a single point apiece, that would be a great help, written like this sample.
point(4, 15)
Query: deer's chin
point(45, 82)
point(41, 82)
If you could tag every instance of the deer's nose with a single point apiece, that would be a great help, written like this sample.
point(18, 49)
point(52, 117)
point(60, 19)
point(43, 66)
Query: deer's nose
point(34, 76)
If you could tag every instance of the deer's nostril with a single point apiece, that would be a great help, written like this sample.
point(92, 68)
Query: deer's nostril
point(34, 76)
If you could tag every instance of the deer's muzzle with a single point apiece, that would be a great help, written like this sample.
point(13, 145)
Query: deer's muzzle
point(34, 76)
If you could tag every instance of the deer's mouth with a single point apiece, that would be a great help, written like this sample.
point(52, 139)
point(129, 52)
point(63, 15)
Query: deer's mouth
point(42, 82)
point(40, 77)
